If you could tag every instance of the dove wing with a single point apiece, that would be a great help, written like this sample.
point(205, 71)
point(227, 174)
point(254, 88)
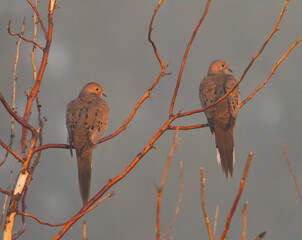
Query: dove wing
point(208, 94)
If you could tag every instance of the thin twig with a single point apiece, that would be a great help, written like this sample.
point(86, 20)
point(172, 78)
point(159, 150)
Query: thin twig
point(61, 224)
point(15, 116)
point(233, 209)
point(188, 127)
point(244, 221)
point(18, 233)
point(149, 35)
point(12, 135)
point(10, 151)
point(6, 197)
point(38, 220)
point(291, 171)
point(215, 222)
point(84, 230)
point(202, 180)
point(19, 35)
point(38, 15)
point(5, 192)
point(185, 56)
point(160, 189)
point(147, 95)
point(179, 201)
point(260, 236)
point(33, 56)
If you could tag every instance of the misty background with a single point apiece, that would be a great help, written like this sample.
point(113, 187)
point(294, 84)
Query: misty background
point(106, 42)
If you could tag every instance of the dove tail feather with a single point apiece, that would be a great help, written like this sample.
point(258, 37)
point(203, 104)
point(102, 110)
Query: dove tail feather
point(84, 160)
point(225, 145)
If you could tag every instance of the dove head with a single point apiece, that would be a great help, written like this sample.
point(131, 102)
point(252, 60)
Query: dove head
point(218, 66)
point(92, 89)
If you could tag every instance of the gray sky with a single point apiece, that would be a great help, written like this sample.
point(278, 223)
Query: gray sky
point(106, 42)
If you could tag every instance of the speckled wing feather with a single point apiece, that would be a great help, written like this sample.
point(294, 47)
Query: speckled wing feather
point(234, 97)
point(96, 120)
point(208, 94)
point(86, 122)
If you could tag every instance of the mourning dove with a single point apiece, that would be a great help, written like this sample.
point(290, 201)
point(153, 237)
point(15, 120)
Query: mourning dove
point(221, 117)
point(86, 120)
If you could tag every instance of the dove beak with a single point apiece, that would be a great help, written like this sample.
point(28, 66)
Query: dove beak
point(230, 70)
point(104, 94)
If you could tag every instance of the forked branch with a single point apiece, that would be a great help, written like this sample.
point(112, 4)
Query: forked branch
point(186, 55)
point(20, 36)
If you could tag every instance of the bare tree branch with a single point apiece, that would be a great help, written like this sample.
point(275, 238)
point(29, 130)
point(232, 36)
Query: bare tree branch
point(244, 221)
point(215, 222)
point(202, 180)
point(149, 35)
point(10, 151)
point(291, 171)
point(179, 201)
point(38, 16)
point(160, 189)
point(233, 209)
point(260, 236)
point(271, 73)
point(20, 36)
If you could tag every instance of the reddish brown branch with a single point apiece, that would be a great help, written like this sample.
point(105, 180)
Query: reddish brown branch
point(24, 176)
point(38, 220)
point(38, 16)
point(11, 151)
point(51, 145)
point(149, 34)
point(33, 93)
point(244, 221)
point(15, 116)
point(265, 43)
point(140, 102)
point(188, 127)
point(84, 231)
point(5, 192)
point(202, 180)
point(160, 189)
point(185, 57)
point(271, 73)
point(20, 36)
point(61, 224)
point(291, 171)
point(231, 213)
point(179, 201)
